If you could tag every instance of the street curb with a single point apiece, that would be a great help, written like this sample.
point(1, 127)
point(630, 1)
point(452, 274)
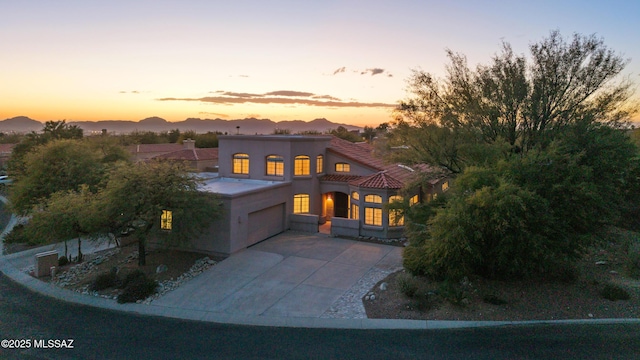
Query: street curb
point(69, 296)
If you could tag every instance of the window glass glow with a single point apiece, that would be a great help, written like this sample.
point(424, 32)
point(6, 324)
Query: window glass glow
point(371, 198)
point(343, 167)
point(240, 163)
point(373, 216)
point(166, 220)
point(275, 165)
point(301, 165)
point(300, 203)
point(319, 164)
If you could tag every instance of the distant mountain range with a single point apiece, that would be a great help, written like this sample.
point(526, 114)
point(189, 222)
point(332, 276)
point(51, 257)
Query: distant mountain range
point(23, 124)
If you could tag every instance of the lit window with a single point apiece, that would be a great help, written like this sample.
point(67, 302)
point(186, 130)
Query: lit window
point(414, 200)
point(395, 198)
point(355, 212)
point(301, 165)
point(396, 217)
point(240, 164)
point(319, 164)
point(275, 165)
point(373, 216)
point(300, 203)
point(376, 199)
point(343, 167)
point(445, 186)
point(355, 195)
point(166, 220)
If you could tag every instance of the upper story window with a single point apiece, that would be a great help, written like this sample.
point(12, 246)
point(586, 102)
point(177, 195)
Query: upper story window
point(166, 220)
point(371, 198)
point(240, 163)
point(414, 200)
point(343, 167)
point(275, 165)
point(355, 195)
point(395, 198)
point(445, 186)
point(301, 165)
point(300, 203)
point(319, 164)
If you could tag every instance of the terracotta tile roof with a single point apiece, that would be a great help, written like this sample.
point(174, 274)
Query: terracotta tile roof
point(151, 148)
point(359, 152)
point(191, 154)
point(380, 180)
point(339, 177)
point(6, 148)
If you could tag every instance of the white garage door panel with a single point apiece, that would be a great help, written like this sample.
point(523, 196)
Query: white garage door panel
point(265, 223)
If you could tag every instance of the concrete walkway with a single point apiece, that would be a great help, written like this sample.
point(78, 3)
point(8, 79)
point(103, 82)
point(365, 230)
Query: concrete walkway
point(290, 275)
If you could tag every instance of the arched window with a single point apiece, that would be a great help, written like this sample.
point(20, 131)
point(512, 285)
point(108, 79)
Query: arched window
point(301, 165)
point(395, 198)
point(371, 198)
point(355, 195)
point(300, 203)
point(343, 167)
point(275, 165)
point(240, 163)
point(319, 164)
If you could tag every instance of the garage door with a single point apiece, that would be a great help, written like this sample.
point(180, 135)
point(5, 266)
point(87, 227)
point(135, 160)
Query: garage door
point(265, 223)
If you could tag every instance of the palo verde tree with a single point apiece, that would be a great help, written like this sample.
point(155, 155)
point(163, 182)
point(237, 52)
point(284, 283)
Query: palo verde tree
point(155, 200)
point(65, 215)
point(542, 157)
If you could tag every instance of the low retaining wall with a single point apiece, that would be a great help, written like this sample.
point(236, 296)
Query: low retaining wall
point(304, 222)
point(345, 227)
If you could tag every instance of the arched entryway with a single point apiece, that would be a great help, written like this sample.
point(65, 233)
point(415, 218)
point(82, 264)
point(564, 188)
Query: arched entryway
point(335, 204)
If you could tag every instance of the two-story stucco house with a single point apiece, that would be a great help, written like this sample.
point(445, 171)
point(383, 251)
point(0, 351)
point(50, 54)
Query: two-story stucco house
point(271, 183)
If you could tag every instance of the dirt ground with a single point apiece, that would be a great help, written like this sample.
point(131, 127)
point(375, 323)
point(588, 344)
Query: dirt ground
point(480, 299)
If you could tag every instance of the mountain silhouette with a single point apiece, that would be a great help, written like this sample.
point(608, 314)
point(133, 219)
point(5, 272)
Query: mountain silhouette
point(23, 124)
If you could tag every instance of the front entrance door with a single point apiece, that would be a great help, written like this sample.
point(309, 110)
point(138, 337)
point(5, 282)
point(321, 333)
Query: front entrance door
point(341, 205)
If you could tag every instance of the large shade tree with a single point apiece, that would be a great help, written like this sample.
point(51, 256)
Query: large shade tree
point(155, 200)
point(539, 145)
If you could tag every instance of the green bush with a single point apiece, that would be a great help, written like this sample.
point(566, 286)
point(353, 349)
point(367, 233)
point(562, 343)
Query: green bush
point(62, 260)
point(17, 236)
point(453, 293)
point(138, 287)
point(614, 292)
point(105, 280)
point(131, 277)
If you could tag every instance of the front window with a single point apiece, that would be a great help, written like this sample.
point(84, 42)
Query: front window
point(166, 220)
point(319, 164)
point(414, 200)
point(275, 165)
point(300, 203)
point(343, 167)
point(445, 186)
point(371, 198)
point(373, 216)
point(355, 212)
point(240, 163)
point(396, 217)
point(301, 165)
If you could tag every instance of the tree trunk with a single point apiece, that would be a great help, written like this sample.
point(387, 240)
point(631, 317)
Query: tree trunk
point(66, 250)
point(79, 250)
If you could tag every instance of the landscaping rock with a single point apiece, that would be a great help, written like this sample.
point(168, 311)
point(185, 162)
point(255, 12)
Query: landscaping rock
point(161, 268)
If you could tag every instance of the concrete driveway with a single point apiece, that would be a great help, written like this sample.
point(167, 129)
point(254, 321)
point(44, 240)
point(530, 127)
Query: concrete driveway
point(289, 275)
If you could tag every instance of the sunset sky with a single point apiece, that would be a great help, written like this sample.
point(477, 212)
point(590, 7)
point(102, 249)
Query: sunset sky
point(346, 61)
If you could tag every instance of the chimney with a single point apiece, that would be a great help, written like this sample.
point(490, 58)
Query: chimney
point(189, 144)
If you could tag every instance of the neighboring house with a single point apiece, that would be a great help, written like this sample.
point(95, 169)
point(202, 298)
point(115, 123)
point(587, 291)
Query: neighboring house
point(271, 183)
point(147, 151)
point(205, 159)
point(5, 154)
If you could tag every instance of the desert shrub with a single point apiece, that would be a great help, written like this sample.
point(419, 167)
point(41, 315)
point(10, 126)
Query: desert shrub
point(407, 284)
point(493, 299)
point(453, 293)
point(62, 260)
point(17, 236)
point(614, 292)
point(131, 277)
point(138, 287)
point(105, 280)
